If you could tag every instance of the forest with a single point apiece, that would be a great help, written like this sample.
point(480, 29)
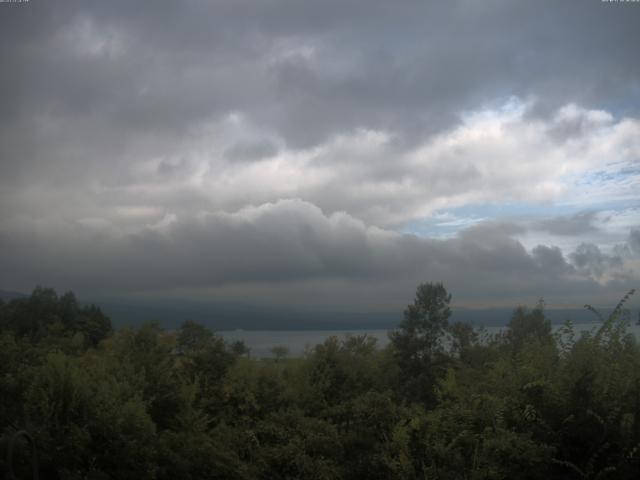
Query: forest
point(443, 400)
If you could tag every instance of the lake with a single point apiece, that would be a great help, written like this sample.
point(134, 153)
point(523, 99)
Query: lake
point(262, 341)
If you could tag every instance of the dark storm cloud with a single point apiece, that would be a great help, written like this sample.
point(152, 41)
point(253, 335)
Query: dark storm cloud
point(590, 259)
point(551, 259)
point(573, 225)
point(293, 242)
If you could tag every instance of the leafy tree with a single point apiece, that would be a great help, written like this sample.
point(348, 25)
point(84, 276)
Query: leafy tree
point(44, 316)
point(444, 402)
point(464, 340)
point(93, 324)
point(528, 326)
point(85, 423)
point(279, 352)
point(417, 342)
point(205, 360)
point(294, 445)
point(239, 348)
point(193, 337)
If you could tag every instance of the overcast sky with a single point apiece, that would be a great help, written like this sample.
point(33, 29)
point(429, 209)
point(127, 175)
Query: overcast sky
point(321, 153)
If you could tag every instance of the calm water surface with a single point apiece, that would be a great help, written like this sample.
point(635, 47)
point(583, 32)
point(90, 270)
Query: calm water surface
point(262, 341)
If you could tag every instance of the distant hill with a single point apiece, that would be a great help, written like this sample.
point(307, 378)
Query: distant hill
point(246, 317)
point(8, 295)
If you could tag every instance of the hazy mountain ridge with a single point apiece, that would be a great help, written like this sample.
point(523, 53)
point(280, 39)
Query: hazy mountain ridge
point(229, 316)
point(7, 295)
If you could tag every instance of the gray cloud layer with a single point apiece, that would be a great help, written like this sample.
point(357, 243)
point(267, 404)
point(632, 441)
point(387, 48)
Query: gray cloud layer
point(157, 143)
point(311, 70)
point(292, 242)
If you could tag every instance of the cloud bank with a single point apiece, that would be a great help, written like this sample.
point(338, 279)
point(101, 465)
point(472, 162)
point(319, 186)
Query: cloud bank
point(292, 245)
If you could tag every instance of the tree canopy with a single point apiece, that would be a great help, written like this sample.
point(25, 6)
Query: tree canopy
point(442, 401)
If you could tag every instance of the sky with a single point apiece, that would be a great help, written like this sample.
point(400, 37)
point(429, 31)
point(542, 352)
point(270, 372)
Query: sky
point(322, 154)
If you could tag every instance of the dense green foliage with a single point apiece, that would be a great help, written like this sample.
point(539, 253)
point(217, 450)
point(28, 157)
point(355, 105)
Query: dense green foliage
point(441, 401)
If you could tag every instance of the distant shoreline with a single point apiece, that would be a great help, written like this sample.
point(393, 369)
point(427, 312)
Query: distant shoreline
point(260, 342)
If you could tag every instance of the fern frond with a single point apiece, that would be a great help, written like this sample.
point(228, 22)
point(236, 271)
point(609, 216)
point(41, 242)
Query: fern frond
point(616, 311)
point(570, 466)
point(595, 312)
point(604, 472)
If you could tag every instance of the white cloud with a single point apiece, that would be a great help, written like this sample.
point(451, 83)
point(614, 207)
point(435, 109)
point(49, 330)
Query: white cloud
point(492, 156)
